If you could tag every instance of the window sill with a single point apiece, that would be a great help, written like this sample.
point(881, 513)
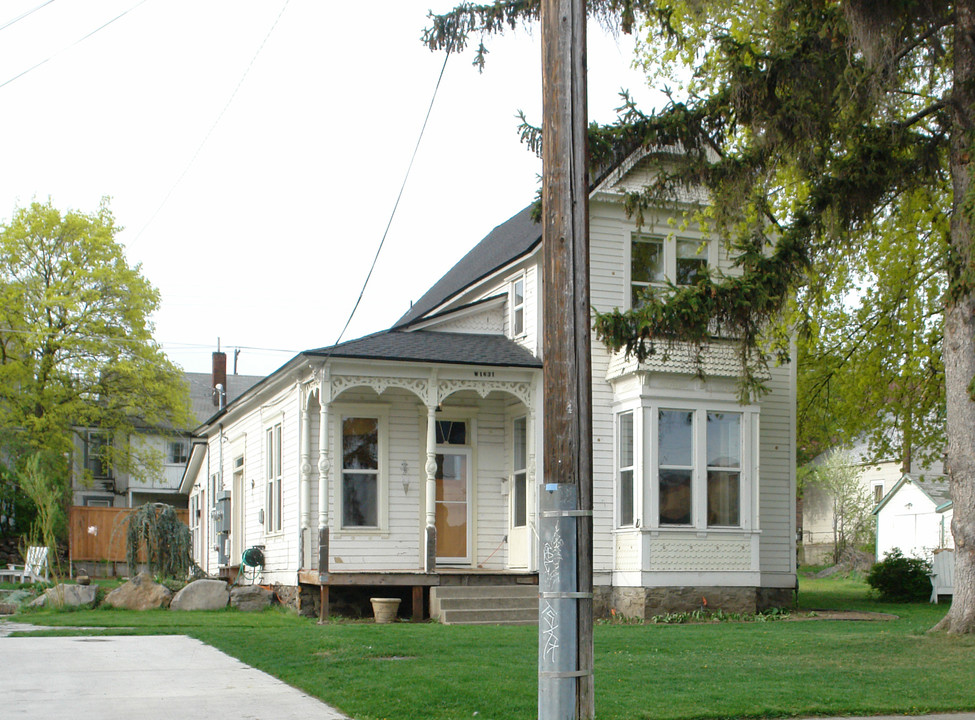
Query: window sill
point(355, 532)
point(702, 532)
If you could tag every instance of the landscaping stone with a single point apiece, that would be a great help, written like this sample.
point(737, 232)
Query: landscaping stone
point(202, 595)
point(65, 596)
point(140, 593)
point(250, 598)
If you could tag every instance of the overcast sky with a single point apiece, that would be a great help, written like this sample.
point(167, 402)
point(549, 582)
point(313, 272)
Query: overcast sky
point(257, 220)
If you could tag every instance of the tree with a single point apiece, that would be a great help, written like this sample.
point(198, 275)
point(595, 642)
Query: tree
point(810, 123)
point(838, 479)
point(76, 347)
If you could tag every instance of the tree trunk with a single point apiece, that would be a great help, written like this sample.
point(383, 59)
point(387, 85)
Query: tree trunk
point(959, 337)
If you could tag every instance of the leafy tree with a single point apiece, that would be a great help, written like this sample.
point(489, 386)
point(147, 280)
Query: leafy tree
point(76, 346)
point(838, 479)
point(166, 539)
point(815, 126)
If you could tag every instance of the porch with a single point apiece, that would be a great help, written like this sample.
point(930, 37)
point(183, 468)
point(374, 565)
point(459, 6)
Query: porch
point(415, 584)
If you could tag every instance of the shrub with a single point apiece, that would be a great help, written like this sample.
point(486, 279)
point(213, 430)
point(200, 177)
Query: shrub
point(900, 579)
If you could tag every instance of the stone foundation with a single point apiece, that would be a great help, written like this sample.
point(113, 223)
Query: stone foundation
point(641, 602)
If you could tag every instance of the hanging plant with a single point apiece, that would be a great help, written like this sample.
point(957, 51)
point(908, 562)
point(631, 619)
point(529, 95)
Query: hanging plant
point(166, 538)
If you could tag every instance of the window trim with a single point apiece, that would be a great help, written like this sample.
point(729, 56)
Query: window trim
point(273, 462)
point(634, 469)
point(514, 307)
point(670, 241)
point(339, 412)
point(749, 477)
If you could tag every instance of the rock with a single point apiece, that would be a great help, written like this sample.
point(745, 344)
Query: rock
point(65, 596)
point(202, 595)
point(250, 598)
point(83, 580)
point(140, 593)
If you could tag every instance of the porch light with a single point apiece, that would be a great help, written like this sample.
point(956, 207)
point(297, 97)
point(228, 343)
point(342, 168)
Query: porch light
point(406, 477)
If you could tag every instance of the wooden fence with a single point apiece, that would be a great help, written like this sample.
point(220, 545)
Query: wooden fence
point(97, 534)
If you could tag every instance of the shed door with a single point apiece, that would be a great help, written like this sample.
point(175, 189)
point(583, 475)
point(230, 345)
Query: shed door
point(452, 505)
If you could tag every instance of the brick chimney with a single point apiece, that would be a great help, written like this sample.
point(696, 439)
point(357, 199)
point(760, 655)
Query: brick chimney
point(219, 379)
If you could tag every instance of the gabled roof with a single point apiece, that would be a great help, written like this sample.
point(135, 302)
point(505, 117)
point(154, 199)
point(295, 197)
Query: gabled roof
point(506, 243)
point(201, 392)
point(434, 347)
point(934, 487)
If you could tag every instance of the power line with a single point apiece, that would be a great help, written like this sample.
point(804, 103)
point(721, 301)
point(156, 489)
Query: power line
point(23, 15)
point(212, 127)
point(395, 204)
point(68, 47)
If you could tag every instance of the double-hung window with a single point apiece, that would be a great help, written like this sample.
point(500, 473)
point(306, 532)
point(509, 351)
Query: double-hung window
point(360, 472)
point(517, 302)
point(699, 467)
point(519, 500)
point(655, 259)
point(179, 452)
point(625, 486)
point(272, 455)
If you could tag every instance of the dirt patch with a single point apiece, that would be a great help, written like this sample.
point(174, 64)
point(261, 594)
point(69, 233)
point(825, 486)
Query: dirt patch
point(840, 615)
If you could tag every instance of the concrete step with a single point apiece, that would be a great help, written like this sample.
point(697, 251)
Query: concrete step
point(513, 616)
point(496, 604)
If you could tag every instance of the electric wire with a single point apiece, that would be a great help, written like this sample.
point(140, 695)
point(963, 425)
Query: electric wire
point(68, 47)
point(25, 14)
point(213, 127)
point(395, 206)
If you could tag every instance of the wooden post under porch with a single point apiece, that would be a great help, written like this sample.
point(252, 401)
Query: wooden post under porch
point(417, 580)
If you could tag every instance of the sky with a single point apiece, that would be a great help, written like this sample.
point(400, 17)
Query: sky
point(253, 152)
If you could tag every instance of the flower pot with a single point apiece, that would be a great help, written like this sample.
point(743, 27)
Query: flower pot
point(384, 609)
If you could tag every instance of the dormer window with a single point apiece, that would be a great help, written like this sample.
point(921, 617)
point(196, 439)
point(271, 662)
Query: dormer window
point(517, 303)
point(655, 259)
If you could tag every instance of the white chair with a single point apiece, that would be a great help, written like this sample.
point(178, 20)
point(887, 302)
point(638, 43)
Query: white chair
point(36, 568)
point(942, 574)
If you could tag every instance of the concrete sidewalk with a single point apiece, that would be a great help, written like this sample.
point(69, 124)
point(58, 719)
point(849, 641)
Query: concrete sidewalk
point(157, 677)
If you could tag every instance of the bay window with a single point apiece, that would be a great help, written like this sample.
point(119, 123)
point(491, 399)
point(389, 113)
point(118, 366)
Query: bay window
point(625, 486)
point(272, 459)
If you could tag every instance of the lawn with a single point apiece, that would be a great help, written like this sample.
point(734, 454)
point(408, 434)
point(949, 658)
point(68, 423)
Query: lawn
point(659, 672)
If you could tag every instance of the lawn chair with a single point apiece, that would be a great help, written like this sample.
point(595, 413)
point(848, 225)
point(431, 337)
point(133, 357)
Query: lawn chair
point(35, 569)
point(942, 574)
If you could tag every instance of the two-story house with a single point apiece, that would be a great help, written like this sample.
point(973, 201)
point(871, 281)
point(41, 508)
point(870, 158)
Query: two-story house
point(437, 424)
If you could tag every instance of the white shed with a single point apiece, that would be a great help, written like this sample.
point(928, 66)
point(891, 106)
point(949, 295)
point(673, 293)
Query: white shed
point(915, 517)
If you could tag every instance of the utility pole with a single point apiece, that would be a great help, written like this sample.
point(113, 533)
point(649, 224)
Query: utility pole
point(565, 650)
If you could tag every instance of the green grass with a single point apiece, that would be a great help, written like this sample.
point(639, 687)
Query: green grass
point(657, 672)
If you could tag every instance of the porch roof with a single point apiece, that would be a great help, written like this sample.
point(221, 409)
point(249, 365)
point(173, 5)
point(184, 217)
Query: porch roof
point(433, 347)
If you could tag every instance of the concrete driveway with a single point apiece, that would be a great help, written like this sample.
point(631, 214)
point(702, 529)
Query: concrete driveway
point(156, 677)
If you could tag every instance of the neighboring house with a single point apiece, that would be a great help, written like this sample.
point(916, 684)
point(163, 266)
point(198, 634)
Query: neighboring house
point(877, 478)
point(437, 425)
point(915, 517)
point(94, 483)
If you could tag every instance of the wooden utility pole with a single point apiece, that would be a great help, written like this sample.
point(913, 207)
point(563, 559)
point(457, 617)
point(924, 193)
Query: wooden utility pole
point(565, 687)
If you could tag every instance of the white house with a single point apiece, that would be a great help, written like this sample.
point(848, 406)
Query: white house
point(915, 517)
point(95, 483)
point(432, 429)
point(878, 476)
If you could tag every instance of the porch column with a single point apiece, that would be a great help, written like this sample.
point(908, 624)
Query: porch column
point(324, 469)
point(430, 555)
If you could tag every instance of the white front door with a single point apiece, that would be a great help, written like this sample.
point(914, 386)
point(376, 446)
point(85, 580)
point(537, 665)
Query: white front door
point(519, 537)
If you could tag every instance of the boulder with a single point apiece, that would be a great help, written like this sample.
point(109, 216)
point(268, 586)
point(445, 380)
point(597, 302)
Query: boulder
point(140, 593)
point(250, 598)
point(65, 596)
point(202, 595)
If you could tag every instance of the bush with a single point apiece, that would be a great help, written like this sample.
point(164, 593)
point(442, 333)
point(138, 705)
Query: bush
point(900, 579)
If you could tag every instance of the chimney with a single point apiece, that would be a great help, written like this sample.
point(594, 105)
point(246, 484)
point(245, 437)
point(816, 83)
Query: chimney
point(219, 379)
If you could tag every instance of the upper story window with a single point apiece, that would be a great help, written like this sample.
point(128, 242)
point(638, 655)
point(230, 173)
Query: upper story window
point(656, 259)
point(96, 454)
point(517, 304)
point(179, 451)
point(272, 458)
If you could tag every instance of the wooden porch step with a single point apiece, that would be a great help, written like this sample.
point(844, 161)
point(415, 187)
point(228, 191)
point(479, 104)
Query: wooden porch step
point(497, 605)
